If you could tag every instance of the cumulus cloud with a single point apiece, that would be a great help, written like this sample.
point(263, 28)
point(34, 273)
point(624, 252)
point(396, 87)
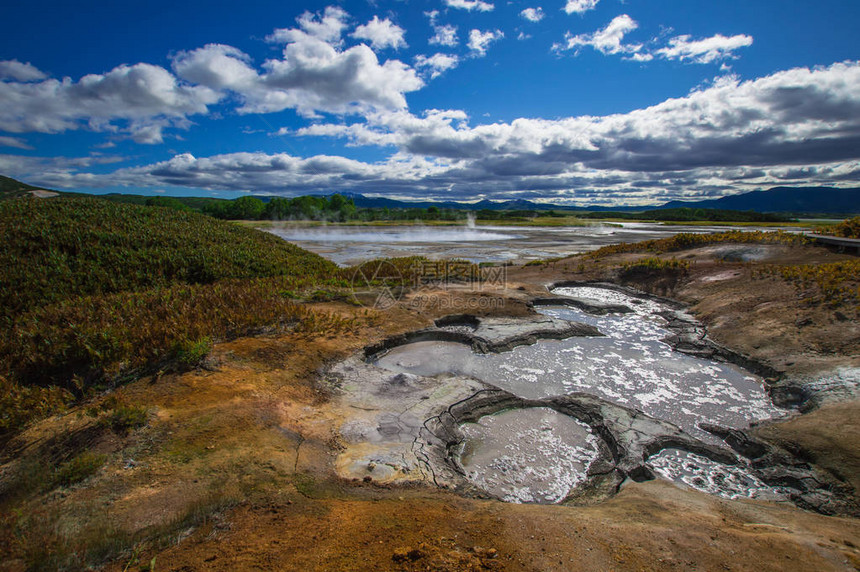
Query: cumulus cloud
point(580, 6)
point(16, 142)
point(532, 14)
point(216, 66)
point(705, 50)
point(316, 76)
point(18, 71)
point(480, 41)
point(800, 122)
point(326, 27)
point(445, 35)
point(437, 64)
point(314, 73)
point(381, 34)
point(279, 173)
point(609, 40)
point(470, 5)
point(140, 99)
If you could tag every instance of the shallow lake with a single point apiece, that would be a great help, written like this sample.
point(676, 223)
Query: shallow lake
point(350, 245)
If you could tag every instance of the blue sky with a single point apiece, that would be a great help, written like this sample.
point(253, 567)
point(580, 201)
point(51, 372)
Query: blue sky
point(569, 101)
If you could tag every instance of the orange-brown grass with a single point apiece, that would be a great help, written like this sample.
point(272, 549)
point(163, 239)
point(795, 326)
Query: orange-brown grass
point(849, 228)
point(686, 240)
point(654, 263)
point(835, 283)
point(70, 347)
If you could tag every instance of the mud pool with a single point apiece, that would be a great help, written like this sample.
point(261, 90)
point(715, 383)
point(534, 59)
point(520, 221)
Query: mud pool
point(565, 406)
point(630, 366)
point(709, 476)
point(527, 455)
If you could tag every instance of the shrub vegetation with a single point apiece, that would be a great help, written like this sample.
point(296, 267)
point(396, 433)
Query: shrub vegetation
point(94, 293)
point(835, 283)
point(686, 240)
point(849, 228)
point(51, 250)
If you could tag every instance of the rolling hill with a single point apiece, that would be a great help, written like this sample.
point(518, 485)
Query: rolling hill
point(64, 247)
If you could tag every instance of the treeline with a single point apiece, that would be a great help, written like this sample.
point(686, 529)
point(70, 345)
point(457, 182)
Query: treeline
point(689, 214)
point(337, 208)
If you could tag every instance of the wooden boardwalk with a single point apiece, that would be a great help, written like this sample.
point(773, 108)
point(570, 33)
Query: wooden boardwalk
point(843, 244)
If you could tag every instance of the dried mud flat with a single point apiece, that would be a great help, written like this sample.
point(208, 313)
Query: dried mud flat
point(238, 466)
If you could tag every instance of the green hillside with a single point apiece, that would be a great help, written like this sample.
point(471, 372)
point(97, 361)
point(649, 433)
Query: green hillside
point(94, 293)
point(10, 188)
point(54, 249)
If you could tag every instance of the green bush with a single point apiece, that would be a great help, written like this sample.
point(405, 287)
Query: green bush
point(79, 468)
point(189, 353)
point(127, 417)
point(835, 283)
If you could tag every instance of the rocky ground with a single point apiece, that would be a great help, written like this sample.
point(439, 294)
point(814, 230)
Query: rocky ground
point(237, 465)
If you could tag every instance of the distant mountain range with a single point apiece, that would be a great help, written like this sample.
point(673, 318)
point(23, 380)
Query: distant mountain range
point(825, 200)
point(795, 200)
point(792, 200)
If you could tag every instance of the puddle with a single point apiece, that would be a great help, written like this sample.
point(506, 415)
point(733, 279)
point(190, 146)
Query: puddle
point(527, 455)
point(705, 475)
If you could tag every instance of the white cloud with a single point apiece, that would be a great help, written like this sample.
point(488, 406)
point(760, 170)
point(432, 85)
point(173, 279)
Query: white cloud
point(144, 98)
point(18, 71)
point(533, 14)
point(579, 6)
point(314, 74)
point(480, 41)
point(799, 126)
point(641, 57)
point(705, 50)
point(141, 101)
point(327, 27)
point(608, 40)
point(437, 64)
point(16, 142)
point(470, 5)
point(802, 123)
point(445, 35)
point(216, 66)
point(381, 33)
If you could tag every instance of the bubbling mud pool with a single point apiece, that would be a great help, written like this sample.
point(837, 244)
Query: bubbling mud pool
point(631, 366)
point(528, 455)
point(709, 476)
